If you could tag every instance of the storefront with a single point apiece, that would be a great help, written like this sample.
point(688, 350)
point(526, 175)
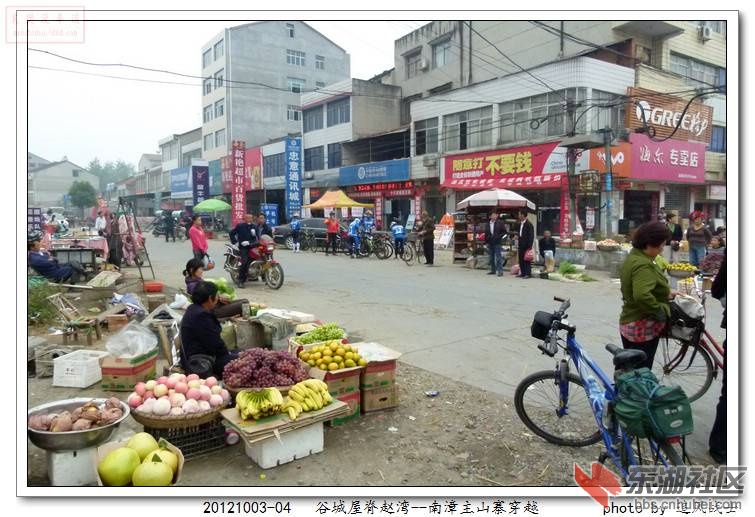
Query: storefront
point(711, 200)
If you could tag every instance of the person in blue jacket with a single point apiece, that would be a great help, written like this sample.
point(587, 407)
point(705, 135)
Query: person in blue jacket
point(354, 240)
point(399, 234)
point(46, 265)
point(368, 223)
point(296, 232)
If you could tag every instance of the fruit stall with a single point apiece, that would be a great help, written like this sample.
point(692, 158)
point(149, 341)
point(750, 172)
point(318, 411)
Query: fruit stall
point(274, 405)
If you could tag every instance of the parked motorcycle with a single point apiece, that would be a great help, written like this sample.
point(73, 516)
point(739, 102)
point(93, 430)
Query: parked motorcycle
point(262, 264)
point(159, 231)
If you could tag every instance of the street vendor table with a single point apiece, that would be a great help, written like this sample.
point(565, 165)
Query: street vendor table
point(97, 243)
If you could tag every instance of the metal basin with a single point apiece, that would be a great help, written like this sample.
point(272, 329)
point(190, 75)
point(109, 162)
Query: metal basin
point(72, 440)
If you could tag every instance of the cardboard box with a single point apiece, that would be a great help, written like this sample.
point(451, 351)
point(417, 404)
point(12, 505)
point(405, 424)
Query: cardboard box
point(104, 449)
point(122, 373)
point(345, 380)
point(115, 322)
point(128, 361)
point(379, 399)
point(354, 401)
point(378, 375)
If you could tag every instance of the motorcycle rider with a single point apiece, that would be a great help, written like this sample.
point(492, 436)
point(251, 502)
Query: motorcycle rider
point(399, 234)
point(354, 239)
point(296, 232)
point(245, 235)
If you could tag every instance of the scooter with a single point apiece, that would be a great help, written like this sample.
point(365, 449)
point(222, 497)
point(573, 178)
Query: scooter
point(262, 264)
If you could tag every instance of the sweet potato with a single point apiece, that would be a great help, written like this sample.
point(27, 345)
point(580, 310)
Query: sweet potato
point(82, 424)
point(61, 423)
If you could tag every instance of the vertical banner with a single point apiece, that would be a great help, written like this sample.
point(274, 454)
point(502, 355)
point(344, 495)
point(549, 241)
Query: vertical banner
point(589, 218)
point(200, 174)
point(418, 205)
point(379, 211)
point(293, 176)
point(564, 221)
point(238, 194)
point(253, 165)
point(271, 213)
point(226, 173)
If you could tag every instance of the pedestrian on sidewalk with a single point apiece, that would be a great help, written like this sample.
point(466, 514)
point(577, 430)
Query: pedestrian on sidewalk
point(526, 240)
point(494, 232)
point(333, 228)
point(198, 238)
point(645, 292)
point(698, 237)
point(426, 232)
point(671, 249)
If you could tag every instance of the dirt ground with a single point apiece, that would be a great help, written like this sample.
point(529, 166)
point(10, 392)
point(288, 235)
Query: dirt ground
point(464, 436)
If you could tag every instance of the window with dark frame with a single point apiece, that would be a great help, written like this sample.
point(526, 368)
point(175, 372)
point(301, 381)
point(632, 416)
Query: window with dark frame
point(314, 159)
point(313, 119)
point(442, 53)
point(413, 64)
point(207, 113)
point(320, 62)
point(290, 29)
point(295, 85)
point(274, 165)
point(293, 112)
point(218, 50)
point(219, 108)
point(334, 155)
point(207, 58)
point(426, 136)
point(339, 112)
point(718, 140)
point(296, 58)
point(207, 86)
point(219, 76)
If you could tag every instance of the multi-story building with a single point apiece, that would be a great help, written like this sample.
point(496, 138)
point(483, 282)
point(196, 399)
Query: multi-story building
point(48, 185)
point(254, 75)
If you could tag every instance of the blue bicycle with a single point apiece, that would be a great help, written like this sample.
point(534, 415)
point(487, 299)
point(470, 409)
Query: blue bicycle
point(550, 405)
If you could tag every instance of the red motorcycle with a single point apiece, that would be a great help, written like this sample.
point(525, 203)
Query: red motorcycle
point(262, 264)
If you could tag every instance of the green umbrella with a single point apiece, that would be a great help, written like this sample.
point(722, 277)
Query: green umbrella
point(212, 205)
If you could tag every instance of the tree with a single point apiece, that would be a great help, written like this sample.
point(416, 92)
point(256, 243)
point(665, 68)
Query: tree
point(83, 194)
point(110, 172)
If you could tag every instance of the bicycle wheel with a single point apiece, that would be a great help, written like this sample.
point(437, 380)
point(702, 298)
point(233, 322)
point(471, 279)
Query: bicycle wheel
point(312, 243)
point(685, 364)
point(421, 254)
point(381, 250)
point(647, 451)
point(537, 398)
point(409, 254)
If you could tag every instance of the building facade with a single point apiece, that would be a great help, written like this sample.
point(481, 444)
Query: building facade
point(48, 185)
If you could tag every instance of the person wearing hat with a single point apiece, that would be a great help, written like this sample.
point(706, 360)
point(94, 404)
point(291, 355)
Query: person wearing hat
point(368, 223)
point(296, 232)
point(354, 240)
point(46, 265)
point(698, 237)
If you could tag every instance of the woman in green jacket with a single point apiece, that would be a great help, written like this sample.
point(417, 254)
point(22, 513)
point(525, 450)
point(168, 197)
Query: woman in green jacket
point(645, 292)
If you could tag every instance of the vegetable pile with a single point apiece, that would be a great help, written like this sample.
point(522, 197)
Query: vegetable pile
point(260, 368)
point(88, 416)
point(327, 332)
point(223, 287)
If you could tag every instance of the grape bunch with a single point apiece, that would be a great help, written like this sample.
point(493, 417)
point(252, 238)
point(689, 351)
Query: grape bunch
point(261, 368)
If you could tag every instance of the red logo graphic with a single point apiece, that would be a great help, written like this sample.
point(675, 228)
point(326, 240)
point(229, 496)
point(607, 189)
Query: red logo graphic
point(602, 484)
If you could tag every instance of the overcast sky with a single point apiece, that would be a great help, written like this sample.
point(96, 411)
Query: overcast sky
point(84, 116)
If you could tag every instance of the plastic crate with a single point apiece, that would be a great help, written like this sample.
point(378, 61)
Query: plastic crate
point(193, 441)
point(291, 446)
point(79, 369)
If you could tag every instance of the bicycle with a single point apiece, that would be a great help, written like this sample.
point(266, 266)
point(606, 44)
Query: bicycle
point(694, 362)
point(413, 250)
point(308, 240)
point(561, 399)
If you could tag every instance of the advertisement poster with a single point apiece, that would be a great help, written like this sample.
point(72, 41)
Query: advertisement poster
point(180, 183)
point(293, 176)
point(589, 218)
point(565, 216)
point(253, 167)
point(238, 193)
point(375, 172)
point(200, 174)
point(271, 213)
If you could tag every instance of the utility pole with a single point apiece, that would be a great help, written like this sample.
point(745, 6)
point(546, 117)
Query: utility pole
point(571, 172)
point(609, 180)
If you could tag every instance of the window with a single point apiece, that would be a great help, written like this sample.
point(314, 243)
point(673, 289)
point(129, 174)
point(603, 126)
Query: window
point(426, 136)
point(696, 72)
point(612, 117)
point(718, 26)
point(218, 50)
point(412, 65)
point(313, 119)
point(320, 84)
point(208, 141)
point(334, 155)
point(75, 173)
point(339, 112)
point(296, 85)
point(220, 138)
point(290, 29)
point(542, 116)
point(467, 129)
point(293, 113)
point(274, 165)
point(718, 140)
point(294, 57)
point(441, 53)
point(320, 62)
point(219, 75)
point(313, 159)
point(207, 114)
point(219, 108)
point(207, 84)
point(206, 58)
point(406, 104)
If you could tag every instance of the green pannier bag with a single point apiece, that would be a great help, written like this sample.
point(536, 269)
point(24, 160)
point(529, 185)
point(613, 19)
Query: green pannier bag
point(645, 408)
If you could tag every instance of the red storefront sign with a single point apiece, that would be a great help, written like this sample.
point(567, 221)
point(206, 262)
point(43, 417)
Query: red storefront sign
point(565, 214)
point(238, 192)
point(517, 167)
point(380, 187)
point(673, 161)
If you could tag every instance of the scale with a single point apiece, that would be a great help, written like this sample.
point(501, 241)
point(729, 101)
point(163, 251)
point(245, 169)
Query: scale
point(72, 468)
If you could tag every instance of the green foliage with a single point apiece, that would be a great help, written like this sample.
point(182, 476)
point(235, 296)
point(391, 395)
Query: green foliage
point(40, 310)
point(83, 195)
point(566, 268)
point(110, 172)
point(587, 278)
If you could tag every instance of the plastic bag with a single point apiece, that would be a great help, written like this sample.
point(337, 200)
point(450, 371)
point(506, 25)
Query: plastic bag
point(132, 340)
point(180, 302)
point(550, 262)
point(228, 335)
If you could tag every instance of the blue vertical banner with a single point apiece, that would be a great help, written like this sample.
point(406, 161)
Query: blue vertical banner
point(271, 213)
point(293, 176)
point(200, 174)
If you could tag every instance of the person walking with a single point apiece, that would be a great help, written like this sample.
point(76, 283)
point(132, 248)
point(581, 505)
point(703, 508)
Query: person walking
point(296, 232)
point(426, 232)
point(698, 237)
point(170, 227)
point(526, 240)
point(100, 224)
point(645, 292)
point(245, 236)
point(494, 232)
point(198, 238)
point(399, 234)
point(717, 439)
point(671, 249)
point(333, 228)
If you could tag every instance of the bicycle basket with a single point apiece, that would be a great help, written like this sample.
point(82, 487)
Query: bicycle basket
point(541, 325)
point(686, 311)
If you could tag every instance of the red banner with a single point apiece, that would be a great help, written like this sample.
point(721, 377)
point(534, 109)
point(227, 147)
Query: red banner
point(517, 167)
point(253, 168)
point(565, 216)
point(238, 192)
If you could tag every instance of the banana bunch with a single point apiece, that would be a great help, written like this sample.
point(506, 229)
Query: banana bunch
point(309, 395)
point(259, 403)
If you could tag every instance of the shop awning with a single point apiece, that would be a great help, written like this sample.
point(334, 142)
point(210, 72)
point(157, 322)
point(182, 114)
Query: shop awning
point(496, 197)
point(337, 199)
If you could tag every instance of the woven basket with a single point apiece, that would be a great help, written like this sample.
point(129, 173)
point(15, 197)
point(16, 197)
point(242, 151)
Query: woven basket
point(603, 247)
point(680, 274)
point(177, 422)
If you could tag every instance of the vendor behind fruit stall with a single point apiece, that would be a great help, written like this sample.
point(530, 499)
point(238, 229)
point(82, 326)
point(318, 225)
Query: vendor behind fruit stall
point(203, 352)
point(225, 308)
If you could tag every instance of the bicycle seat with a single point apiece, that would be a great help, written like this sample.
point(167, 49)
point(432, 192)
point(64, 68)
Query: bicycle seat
point(628, 358)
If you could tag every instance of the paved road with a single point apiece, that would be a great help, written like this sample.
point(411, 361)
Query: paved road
point(447, 319)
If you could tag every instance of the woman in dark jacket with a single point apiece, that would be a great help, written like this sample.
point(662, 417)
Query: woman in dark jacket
point(671, 249)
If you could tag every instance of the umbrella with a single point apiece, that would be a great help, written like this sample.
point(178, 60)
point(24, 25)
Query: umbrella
point(337, 199)
point(212, 205)
point(496, 197)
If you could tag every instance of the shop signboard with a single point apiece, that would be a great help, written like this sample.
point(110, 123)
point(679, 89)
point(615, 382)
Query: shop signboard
point(200, 177)
point(271, 213)
point(180, 183)
point(293, 176)
point(216, 183)
point(669, 161)
point(665, 112)
point(375, 172)
point(717, 192)
point(621, 165)
point(226, 173)
point(516, 167)
point(410, 223)
point(253, 167)
point(238, 192)
point(565, 215)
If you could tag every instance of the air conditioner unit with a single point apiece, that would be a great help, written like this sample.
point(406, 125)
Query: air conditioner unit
point(429, 160)
point(705, 33)
point(424, 64)
point(308, 175)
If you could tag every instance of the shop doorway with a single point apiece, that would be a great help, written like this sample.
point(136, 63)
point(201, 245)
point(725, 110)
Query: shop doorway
point(396, 210)
point(638, 206)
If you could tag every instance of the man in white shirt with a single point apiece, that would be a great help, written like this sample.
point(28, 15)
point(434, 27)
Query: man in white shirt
point(100, 223)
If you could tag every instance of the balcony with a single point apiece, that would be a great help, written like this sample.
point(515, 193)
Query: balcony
point(654, 29)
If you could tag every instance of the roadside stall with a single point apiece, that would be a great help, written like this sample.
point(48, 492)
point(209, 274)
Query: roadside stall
point(338, 199)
